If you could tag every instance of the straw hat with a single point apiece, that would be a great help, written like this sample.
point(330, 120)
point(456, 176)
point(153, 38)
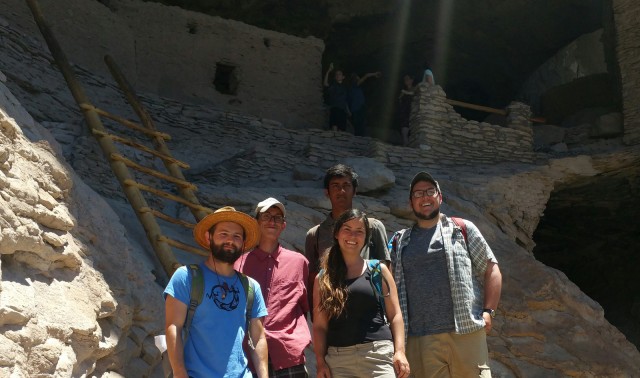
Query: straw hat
point(228, 214)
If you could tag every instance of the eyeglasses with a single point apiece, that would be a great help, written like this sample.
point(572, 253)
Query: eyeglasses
point(277, 219)
point(431, 192)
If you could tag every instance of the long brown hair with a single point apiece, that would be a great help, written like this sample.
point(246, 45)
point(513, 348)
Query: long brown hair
point(333, 276)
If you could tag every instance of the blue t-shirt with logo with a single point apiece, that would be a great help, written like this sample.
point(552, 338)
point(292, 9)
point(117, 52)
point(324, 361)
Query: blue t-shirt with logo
point(214, 346)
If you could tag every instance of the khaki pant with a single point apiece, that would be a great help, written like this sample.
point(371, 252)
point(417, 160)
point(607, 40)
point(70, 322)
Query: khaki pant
point(449, 355)
point(374, 359)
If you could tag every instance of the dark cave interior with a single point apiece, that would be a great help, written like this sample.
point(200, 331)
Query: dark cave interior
point(480, 53)
point(590, 231)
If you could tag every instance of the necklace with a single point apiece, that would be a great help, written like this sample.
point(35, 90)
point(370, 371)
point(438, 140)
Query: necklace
point(225, 287)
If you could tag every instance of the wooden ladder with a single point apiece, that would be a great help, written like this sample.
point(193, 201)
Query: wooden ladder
point(122, 166)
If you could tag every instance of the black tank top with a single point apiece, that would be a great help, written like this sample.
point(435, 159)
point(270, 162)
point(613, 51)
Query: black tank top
point(361, 320)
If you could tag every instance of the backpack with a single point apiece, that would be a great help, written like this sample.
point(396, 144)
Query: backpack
point(197, 291)
point(376, 285)
point(463, 227)
point(373, 266)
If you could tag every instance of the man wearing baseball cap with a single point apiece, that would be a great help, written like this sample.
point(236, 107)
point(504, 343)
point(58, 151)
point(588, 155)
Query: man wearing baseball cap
point(449, 285)
point(214, 345)
point(283, 276)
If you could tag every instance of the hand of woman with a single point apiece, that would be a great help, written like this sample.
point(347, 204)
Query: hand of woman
point(401, 365)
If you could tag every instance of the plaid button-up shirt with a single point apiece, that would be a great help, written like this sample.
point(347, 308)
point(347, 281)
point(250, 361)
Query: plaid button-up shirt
point(466, 272)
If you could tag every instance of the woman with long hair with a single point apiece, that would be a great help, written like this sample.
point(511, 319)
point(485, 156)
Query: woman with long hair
point(350, 335)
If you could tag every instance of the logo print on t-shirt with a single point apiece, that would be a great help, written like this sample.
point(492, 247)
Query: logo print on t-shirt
point(225, 297)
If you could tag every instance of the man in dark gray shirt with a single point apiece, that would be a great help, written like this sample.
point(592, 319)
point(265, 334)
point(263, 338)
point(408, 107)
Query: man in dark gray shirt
point(340, 186)
point(449, 286)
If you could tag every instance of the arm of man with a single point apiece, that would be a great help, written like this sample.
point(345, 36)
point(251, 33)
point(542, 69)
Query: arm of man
point(311, 253)
point(175, 314)
point(304, 299)
point(492, 290)
point(485, 264)
point(320, 326)
point(259, 354)
point(368, 75)
point(380, 250)
point(394, 316)
point(326, 75)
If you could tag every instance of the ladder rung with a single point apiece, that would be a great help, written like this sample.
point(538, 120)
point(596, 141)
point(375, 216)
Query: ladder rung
point(168, 218)
point(141, 147)
point(126, 122)
point(183, 246)
point(166, 195)
point(153, 172)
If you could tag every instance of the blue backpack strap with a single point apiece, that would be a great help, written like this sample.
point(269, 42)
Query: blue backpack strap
point(197, 291)
point(376, 284)
point(392, 245)
point(249, 292)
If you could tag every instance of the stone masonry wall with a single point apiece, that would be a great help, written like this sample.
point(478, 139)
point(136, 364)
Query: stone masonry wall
point(439, 129)
point(174, 53)
point(626, 15)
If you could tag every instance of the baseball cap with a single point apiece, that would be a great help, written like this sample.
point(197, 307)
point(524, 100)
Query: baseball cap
point(424, 176)
point(266, 204)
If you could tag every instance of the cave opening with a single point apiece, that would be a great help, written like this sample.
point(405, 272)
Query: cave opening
point(590, 232)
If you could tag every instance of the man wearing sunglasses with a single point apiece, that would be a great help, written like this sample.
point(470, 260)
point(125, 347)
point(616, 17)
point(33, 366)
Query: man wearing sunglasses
point(283, 276)
point(449, 285)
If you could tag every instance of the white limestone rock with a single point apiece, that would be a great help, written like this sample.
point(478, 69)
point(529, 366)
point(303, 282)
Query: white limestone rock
point(372, 175)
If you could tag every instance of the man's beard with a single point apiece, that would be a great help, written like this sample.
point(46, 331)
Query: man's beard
point(220, 254)
point(432, 215)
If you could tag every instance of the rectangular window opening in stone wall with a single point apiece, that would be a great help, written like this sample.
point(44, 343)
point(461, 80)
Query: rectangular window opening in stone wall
point(226, 79)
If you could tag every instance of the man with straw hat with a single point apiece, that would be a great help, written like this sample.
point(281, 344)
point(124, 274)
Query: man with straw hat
point(213, 347)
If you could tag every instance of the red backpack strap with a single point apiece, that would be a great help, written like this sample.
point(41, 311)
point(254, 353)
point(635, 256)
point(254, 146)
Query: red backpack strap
point(463, 227)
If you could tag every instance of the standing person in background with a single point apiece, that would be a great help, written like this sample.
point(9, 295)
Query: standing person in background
point(219, 324)
point(404, 107)
point(356, 101)
point(337, 100)
point(427, 75)
point(350, 335)
point(340, 185)
point(449, 286)
point(283, 276)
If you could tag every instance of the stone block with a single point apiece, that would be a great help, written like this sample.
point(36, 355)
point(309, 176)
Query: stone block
point(607, 126)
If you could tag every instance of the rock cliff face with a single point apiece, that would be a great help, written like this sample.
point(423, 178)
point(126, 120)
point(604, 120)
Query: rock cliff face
point(78, 291)
point(73, 296)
